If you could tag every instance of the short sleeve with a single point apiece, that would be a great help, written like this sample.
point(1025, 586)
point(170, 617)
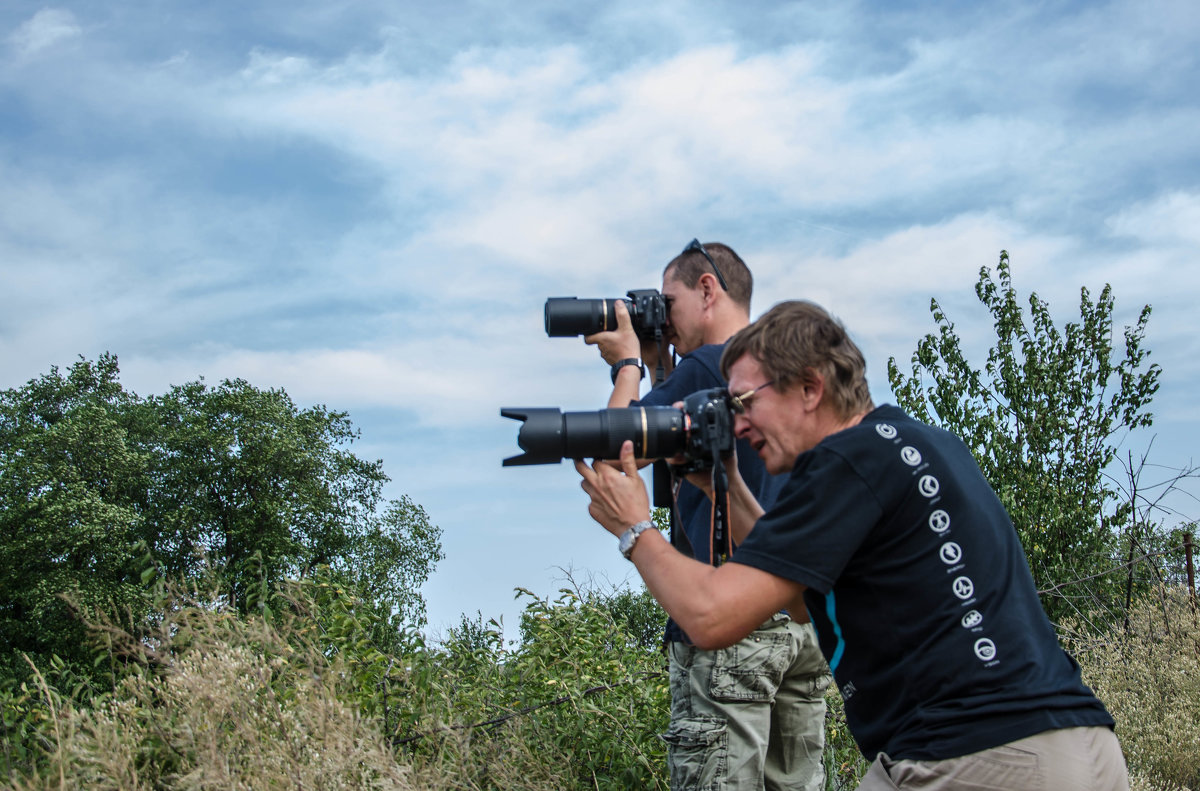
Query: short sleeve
point(821, 518)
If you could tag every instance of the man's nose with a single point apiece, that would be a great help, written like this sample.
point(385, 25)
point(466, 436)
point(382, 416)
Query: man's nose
point(741, 425)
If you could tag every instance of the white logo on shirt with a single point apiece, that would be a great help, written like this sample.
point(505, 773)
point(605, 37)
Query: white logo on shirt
point(928, 485)
point(951, 553)
point(985, 649)
point(886, 431)
point(911, 456)
point(963, 588)
point(972, 619)
point(939, 521)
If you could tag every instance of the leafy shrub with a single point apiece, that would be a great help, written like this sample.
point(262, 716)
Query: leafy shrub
point(844, 762)
point(306, 694)
point(579, 702)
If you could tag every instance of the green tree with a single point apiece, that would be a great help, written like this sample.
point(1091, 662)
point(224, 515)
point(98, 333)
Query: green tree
point(1043, 417)
point(231, 481)
point(69, 511)
point(245, 479)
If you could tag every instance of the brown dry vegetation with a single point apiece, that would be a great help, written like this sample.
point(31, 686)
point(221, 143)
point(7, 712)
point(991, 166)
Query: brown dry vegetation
point(1148, 675)
point(218, 701)
point(222, 703)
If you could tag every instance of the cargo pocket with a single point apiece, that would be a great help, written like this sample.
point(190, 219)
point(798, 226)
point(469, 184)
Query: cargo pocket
point(752, 669)
point(696, 754)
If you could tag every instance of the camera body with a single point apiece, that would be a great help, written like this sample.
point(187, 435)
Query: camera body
point(568, 317)
point(710, 434)
point(701, 431)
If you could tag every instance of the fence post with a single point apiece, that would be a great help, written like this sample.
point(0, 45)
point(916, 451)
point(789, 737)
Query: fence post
point(1191, 569)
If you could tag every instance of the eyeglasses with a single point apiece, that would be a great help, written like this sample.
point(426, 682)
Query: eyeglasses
point(739, 404)
point(694, 246)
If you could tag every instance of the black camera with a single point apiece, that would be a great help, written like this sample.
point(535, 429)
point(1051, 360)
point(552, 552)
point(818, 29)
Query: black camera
point(567, 317)
point(702, 431)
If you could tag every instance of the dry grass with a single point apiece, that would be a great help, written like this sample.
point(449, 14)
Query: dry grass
point(1149, 678)
point(220, 703)
point(216, 701)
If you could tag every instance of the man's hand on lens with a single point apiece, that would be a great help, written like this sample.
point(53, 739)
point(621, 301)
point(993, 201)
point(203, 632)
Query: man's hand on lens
point(619, 344)
point(618, 495)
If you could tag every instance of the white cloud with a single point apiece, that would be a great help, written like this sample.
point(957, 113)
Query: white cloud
point(876, 285)
point(43, 30)
point(1171, 220)
point(533, 151)
point(871, 162)
point(448, 379)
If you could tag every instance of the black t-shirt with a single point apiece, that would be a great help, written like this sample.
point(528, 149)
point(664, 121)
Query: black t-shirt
point(920, 594)
point(700, 370)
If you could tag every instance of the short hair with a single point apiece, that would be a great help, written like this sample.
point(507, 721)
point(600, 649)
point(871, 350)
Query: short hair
point(688, 266)
point(796, 339)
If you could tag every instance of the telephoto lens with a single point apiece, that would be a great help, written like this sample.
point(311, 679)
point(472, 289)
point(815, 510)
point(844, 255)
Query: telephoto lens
point(567, 317)
point(548, 435)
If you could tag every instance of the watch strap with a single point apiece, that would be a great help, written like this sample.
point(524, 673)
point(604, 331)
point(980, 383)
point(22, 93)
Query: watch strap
point(619, 364)
point(630, 537)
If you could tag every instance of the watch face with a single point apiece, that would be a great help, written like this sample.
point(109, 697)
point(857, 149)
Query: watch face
point(630, 536)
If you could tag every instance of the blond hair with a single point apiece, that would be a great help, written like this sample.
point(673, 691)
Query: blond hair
point(795, 340)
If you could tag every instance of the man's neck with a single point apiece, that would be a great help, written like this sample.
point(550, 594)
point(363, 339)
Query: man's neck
point(722, 328)
point(830, 423)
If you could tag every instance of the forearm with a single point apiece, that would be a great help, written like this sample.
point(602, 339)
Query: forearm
point(715, 606)
point(626, 387)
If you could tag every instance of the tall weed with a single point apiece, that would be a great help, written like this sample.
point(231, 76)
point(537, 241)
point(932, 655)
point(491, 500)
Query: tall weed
point(213, 700)
point(1147, 672)
point(306, 695)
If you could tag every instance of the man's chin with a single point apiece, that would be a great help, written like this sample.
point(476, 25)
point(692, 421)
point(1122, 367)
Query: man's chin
point(772, 466)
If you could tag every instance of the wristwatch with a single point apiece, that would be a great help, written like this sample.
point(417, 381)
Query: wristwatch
point(630, 537)
point(619, 364)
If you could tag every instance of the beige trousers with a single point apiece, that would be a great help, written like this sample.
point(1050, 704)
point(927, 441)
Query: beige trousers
point(1072, 759)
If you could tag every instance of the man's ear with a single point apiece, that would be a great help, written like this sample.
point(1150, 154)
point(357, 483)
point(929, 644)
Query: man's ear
point(812, 390)
point(709, 286)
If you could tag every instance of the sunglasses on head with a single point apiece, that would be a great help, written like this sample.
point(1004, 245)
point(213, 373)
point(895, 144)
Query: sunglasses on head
point(694, 246)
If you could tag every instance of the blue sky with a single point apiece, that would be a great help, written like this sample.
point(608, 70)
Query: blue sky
point(367, 204)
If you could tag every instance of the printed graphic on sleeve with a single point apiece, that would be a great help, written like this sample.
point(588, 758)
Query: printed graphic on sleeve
point(929, 486)
point(950, 553)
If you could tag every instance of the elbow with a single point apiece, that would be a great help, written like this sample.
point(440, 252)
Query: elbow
point(726, 611)
point(707, 642)
point(709, 631)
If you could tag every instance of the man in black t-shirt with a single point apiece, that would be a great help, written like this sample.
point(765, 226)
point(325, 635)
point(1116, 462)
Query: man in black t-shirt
point(750, 716)
point(889, 534)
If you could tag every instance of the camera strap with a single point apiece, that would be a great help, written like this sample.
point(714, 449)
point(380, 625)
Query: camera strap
point(660, 371)
point(679, 536)
point(722, 538)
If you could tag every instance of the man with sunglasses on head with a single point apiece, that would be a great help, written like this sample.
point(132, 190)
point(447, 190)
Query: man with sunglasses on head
point(751, 715)
point(890, 535)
